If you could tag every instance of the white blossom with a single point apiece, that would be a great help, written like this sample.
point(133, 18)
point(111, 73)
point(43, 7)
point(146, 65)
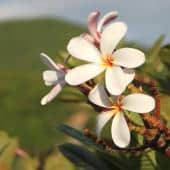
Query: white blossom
point(117, 64)
point(53, 77)
point(114, 107)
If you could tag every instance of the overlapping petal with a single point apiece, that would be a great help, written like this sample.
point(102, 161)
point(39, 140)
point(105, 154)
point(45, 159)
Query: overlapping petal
point(99, 96)
point(111, 36)
point(115, 80)
point(106, 19)
point(129, 75)
point(129, 57)
point(92, 24)
point(120, 131)
point(140, 103)
point(52, 77)
point(102, 119)
point(83, 50)
point(83, 73)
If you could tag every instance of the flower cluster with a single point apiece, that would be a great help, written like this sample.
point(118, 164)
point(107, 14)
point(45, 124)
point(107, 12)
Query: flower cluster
point(99, 49)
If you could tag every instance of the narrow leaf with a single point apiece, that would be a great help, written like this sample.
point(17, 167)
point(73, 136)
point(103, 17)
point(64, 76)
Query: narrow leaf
point(82, 157)
point(79, 136)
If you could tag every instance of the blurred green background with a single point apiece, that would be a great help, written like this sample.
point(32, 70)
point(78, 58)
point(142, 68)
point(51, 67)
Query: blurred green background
point(21, 86)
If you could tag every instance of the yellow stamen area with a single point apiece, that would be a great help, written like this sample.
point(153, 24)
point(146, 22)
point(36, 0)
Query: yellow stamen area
point(107, 60)
point(117, 107)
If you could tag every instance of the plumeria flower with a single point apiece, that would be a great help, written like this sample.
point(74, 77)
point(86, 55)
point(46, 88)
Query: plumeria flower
point(114, 107)
point(117, 64)
point(95, 25)
point(53, 77)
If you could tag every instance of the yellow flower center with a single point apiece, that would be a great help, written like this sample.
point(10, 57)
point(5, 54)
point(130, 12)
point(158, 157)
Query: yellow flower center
point(117, 107)
point(107, 60)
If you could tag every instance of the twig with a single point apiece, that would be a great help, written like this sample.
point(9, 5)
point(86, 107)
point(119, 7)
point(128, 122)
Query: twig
point(111, 148)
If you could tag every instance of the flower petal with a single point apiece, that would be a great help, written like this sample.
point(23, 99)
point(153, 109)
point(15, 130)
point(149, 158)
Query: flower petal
point(92, 24)
point(140, 103)
point(49, 62)
point(102, 119)
point(111, 36)
point(51, 76)
point(99, 96)
point(106, 19)
point(115, 82)
point(48, 83)
point(88, 37)
point(83, 73)
point(120, 131)
point(84, 50)
point(129, 75)
point(53, 93)
point(129, 57)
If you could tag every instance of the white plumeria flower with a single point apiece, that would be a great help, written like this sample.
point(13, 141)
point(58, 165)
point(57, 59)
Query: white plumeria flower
point(115, 107)
point(105, 59)
point(53, 77)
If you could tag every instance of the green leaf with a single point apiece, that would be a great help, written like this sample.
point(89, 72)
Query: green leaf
point(162, 161)
point(114, 160)
point(165, 53)
point(79, 136)
point(134, 118)
point(155, 49)
point(124, 161)
point(153, 63)
point(82, 157)
point(148, 161)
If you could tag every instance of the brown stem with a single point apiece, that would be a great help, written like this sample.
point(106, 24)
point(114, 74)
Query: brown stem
point(111, 147)
point(147, 133)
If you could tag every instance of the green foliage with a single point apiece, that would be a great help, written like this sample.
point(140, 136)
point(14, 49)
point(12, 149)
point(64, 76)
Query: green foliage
point(82, 157)
point(11, 160)
point(98, 158)
point(22, 87)
point(79, 136)
point(134, 118)
point(155, 50)
point(56, 160)
point(157, 64)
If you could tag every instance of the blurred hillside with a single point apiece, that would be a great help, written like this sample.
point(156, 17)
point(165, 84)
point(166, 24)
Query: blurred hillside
point(21, 86)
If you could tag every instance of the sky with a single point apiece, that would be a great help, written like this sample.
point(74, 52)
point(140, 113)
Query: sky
point(146, 19)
